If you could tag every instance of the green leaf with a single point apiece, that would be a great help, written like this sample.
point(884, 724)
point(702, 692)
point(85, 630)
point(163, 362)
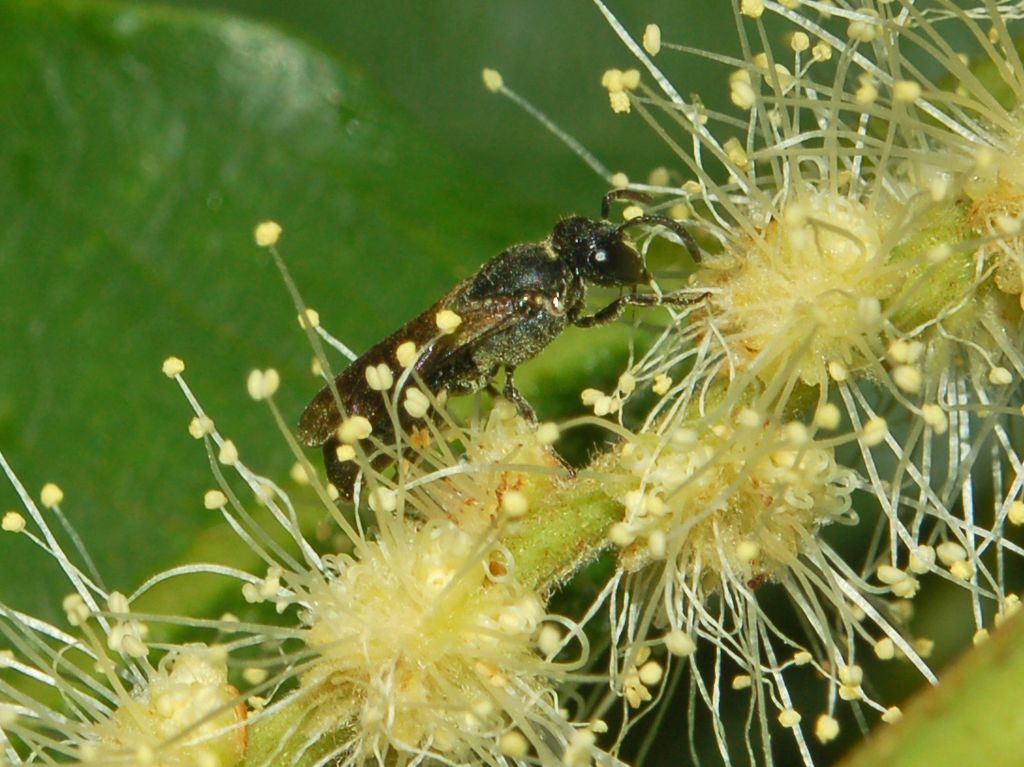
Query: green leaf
point(973, 717)
point(140, 147)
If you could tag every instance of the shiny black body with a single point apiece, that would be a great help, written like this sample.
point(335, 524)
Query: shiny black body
point(511, 309)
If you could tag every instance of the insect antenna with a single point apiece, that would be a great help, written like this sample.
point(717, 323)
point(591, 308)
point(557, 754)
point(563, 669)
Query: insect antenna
point(622, 194)
point(669, 223)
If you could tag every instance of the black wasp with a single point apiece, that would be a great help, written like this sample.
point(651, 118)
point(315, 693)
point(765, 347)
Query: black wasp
point(513, 307)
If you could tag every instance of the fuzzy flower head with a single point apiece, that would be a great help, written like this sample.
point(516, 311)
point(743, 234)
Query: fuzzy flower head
point(422, 650)
point(186, 704)
point(115, 707)
point(861, 203)
point(492, 471)
point(728, 502)
point(420, 641)
point(807, 292)
point(716, 510)
point(184, 713)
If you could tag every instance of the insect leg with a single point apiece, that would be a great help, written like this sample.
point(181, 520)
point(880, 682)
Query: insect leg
point(618, 306)
point(675, 298)
point(513, 395)
point(602, 316)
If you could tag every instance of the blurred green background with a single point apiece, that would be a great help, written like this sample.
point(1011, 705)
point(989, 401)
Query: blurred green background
point(141, 143)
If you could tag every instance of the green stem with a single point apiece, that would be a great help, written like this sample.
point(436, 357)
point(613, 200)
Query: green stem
point(291, 736)
point(550, 546)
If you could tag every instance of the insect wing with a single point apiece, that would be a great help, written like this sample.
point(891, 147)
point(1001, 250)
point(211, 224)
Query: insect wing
point(322, 416)
point(450, 362)
point(444, 363)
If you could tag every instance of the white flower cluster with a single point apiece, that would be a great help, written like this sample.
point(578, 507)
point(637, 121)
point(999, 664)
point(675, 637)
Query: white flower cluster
point(827, 435)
